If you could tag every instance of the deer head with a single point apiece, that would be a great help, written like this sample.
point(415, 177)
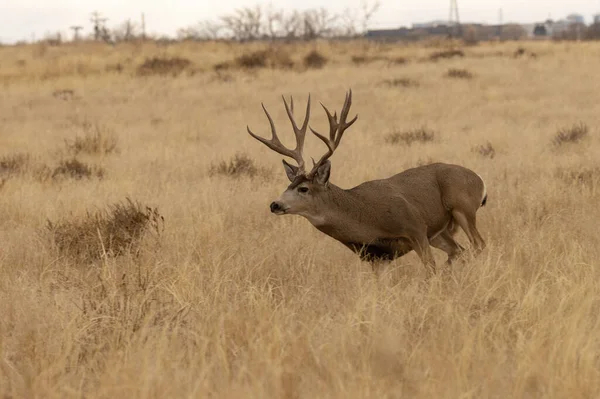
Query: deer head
point(308, 191)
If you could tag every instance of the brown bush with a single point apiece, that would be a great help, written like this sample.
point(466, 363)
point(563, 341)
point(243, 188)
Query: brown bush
point(95, 140)
point(15, 164)
point(240, 166)
point(401, 82)
point(274, 58)
point(587, 177)
point(420, 135)
point(75, 169)
point(315, 60)
point(485, 150)
point(163, 66)
point(459, 74)
point(63, 94)
point(570, 135)
point(112, 232)
point(446, 54)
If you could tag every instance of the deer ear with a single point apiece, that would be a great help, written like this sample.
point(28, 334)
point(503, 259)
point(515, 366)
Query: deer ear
point(322, 176)
point(290, 170)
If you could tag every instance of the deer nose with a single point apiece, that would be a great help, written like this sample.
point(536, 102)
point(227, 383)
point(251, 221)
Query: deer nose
point(275, 207)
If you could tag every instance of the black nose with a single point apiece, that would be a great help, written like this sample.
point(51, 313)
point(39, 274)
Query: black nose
point(275, 207)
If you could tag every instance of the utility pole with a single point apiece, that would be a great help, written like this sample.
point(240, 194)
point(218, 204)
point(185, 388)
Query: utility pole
point(98, 23)
point(453, 19)
point(76, 30)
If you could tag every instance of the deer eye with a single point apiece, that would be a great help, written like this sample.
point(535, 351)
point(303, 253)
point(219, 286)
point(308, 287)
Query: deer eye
point(303, 189)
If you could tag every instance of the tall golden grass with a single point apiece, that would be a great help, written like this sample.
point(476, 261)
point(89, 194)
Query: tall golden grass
point(232, 302)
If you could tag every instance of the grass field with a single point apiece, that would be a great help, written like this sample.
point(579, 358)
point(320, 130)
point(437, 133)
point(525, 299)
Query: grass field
point(225, 300)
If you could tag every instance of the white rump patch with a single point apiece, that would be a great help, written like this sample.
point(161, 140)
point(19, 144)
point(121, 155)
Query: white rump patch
point(484, 189)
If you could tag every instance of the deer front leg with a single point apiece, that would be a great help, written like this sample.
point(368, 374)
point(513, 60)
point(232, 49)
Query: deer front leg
point(421, 246)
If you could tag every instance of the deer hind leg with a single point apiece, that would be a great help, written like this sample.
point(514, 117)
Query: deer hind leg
point(467, 222)
point(445, 241)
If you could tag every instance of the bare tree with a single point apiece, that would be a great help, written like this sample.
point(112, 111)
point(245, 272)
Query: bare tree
point(318, 22)
point(204, 30)
point(244, 24)
point(127, 31)
point(368, 8)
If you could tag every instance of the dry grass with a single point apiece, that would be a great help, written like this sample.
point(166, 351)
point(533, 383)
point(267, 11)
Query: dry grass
point(459, 73)
point(571, 135)
point(419, 135)
point(233, 302)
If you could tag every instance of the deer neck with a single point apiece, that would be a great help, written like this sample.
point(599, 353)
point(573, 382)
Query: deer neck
point(342, 216)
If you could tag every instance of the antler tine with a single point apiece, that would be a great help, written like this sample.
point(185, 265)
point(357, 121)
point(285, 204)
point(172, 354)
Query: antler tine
point(276, 145)
point(336, 131)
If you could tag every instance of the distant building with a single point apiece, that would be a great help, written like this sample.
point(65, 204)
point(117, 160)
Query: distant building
point(430, 24)
point(575, 19)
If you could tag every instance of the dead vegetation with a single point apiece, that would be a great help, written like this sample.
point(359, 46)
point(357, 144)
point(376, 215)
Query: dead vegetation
point(14, 164)
point(241, 165)
point(64, 94)
point(400, 82)
point(163, 66)
point(485, 150)
point(77, 170)
point(95, 139)
point(446, 54)
point(273, 58)
point(114, 231)
point(409, 137)
point(314, 60)
point(456, 73)
point(588, 177)
point(571, 135)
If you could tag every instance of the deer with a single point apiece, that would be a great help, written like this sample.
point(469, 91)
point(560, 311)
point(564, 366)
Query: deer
point(384, 219)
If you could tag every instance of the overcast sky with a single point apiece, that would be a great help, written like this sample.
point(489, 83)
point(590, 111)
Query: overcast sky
point(22, 19)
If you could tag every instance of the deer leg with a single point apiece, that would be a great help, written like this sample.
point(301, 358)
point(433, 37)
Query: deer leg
point(423, 250)
point(467, 222)
point(446, 243)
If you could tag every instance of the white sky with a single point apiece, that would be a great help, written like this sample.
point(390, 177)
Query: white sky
point(22, 19)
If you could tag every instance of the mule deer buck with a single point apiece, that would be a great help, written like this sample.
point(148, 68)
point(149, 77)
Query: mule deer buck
point(379, 220)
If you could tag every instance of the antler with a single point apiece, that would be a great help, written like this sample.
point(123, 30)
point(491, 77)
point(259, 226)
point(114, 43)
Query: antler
point(300, 133)
point(336, 131)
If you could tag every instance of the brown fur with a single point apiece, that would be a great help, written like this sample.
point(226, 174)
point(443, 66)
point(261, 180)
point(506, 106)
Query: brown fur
point(383, 219)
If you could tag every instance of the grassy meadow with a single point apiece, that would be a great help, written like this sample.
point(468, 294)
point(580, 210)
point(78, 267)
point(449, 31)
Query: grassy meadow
point(139, 259)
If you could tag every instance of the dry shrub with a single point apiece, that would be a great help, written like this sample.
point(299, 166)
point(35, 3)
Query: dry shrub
point(96, 140)
point(521, 52)
point(75, 169)
point(401, 82)
point(163, 66)
point(446, 54)
point(585, 177)
point(459, 73)
point(485, 150)
point(117, 68)
point(15, 164)
point(240, 166)
point(63, 94)
point(366, 59)
point(420, 135)
point(398, 61)
point(115, 231)
point(570, 135)
point(19, 165)
point(275, 58)
point(315, 60)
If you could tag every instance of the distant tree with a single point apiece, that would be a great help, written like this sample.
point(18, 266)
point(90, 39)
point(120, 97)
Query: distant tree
point(540, 30)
